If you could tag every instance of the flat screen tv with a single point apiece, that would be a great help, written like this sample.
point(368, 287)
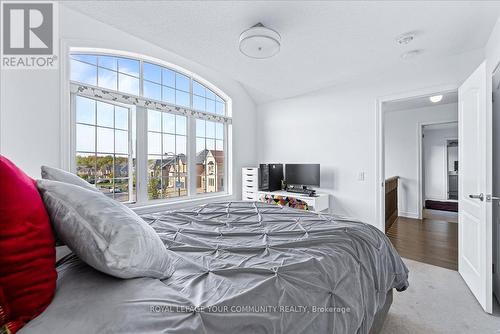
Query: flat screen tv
point(302, 174)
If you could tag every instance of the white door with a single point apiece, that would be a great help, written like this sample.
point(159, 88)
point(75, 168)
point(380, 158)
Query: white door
point(474, 217)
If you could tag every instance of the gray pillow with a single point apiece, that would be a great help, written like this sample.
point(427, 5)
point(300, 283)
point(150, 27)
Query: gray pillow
point(105, 233)
point(56, 174)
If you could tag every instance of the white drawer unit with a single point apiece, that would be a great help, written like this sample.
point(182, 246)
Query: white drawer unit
point(249, 183)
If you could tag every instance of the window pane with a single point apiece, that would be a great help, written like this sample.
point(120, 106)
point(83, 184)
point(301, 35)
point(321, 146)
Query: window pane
point(154, 143)
point(180, 125)
point(120, 190)
point(128, 66)
point(210, 95)
point(220, 182)
point(105, 186)
point(105, 140)
point(85, 138)
point(121, 141)
point(168, 77)
point(85, 58)
point(108, 62)
point(121, 166)
point(85, 110)
point(104, 169)
point(154, 166)
point(182, 98)
point(152, 72)
point(219, 99)
point(152, 90)
point(169, 188)
point(219, 131)
point(198, 103)
point(210, 129)
point(198, 89)
point(83, 73)
point(181, 82)
point(211, 106)
point(210, 144)
point(219, 145)
point(168, 95)
point(128, 84)
point(154, 188)
point(200, 184)
point(168, 144)
point(154, 120)
point(85, 166)
point(168, 123)
point(107, 79)
point(219, 108)
point(200, 147)
point(180, 145)
point(121, 118)
point(200, 128)
point(169, 167)
point(105, 113)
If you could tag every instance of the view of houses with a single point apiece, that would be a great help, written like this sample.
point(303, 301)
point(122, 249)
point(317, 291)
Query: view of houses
point(167, 177)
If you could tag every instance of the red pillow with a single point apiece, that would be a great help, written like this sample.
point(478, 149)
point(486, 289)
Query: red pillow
point(27, 250)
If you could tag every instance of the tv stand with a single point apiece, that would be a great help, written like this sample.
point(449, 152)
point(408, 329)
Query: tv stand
point(320, 202)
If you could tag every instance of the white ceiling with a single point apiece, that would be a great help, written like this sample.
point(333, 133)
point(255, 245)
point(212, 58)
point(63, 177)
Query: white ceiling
point(419, 102)
point(324, 43)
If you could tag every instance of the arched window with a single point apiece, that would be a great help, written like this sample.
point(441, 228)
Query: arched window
point(144, 130)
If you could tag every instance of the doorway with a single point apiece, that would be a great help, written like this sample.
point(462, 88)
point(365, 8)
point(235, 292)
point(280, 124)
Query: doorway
point(439, 165)
point(420, 144)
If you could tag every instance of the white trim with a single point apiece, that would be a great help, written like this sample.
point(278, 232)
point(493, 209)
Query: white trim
point(379, 142)
point(406, 214)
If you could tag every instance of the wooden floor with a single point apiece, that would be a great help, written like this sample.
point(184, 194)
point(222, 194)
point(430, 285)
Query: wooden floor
point(430, 241)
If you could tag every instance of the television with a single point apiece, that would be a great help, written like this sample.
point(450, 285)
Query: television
point(302, 174)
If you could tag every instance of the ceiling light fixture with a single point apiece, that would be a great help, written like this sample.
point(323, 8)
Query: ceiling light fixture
point(260, 42)
point(410, 54)
point(405, 39)
point(436, 98)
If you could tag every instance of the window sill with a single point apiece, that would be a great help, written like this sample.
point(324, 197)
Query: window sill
point(177, 203)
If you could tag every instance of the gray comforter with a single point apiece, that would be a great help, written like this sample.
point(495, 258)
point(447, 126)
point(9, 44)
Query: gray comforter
point(243, 268)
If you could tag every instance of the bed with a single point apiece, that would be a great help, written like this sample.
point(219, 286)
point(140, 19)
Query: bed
point(242, 267)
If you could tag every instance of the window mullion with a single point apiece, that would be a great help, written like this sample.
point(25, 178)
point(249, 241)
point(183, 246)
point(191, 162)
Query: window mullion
point(141, 155)
point(191, 155)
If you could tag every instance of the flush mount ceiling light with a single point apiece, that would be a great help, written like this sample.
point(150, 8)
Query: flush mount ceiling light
point(405, 39)
point(410, 54)
point(260, 42)
point(436, 98)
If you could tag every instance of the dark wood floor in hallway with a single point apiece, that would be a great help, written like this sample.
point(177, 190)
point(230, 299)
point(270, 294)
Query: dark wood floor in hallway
point(430, 241)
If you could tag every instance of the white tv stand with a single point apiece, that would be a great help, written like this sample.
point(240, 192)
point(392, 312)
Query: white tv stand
point(318, 203)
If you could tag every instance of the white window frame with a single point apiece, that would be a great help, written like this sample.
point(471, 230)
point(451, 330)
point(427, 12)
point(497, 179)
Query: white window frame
point(141, 195)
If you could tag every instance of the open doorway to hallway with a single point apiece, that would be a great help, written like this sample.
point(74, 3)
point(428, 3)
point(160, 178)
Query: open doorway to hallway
point(421, 169)
point(439, 165)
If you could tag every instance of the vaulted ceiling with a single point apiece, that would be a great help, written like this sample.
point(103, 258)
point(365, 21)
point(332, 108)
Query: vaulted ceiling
point(324, 43)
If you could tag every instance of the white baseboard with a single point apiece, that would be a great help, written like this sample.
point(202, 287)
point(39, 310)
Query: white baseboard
point(408, 214)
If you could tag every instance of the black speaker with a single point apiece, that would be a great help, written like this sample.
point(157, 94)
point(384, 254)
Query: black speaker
point(270, 177)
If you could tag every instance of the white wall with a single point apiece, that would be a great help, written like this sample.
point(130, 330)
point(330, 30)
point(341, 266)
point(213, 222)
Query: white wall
point(435, 161)
point(401, 149)
point(30, 117)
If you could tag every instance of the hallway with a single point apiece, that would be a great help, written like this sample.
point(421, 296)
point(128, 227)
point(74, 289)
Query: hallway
point(429, 240)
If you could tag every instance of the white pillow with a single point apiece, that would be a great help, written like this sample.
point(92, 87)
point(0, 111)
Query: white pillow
point(56, 174)
point(105, 233)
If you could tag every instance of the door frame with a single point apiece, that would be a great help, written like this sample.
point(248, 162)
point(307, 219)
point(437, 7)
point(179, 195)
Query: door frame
point(380, 142)
point(420, 172)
